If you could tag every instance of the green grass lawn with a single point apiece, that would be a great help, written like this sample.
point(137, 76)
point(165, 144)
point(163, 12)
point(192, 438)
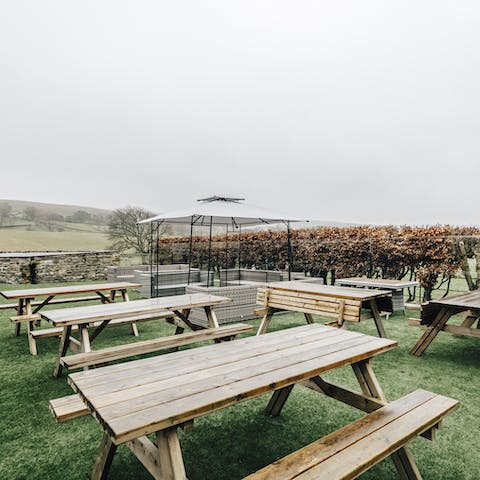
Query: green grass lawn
point(238, 440)
point(35, 240)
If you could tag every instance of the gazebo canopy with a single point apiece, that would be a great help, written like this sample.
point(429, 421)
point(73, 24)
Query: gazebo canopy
point(218, 210)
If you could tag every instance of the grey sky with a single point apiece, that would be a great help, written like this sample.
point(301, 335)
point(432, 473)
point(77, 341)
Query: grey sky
point(363, 111)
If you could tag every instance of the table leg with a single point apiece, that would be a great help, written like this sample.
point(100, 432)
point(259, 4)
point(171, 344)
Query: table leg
point(277, 401)
point(62, 350)
point(112, 295)
point(84, 338)
point(265, 322)
point(182, 320)
point(170, 455)
point(405, 464)
point(104, 458)
point(31, 341)
point(309, 318)
point(367, 380)
point(163, 459)
point(402, 458)
point(377, 318)
point(126, 298)
point(431, 332)
point(211, 317)
point(19, 312)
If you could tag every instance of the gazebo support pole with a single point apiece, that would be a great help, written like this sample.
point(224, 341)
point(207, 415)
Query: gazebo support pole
point(151, 260)
point(156, 260)
point(289, 251)
point(226, 259)
point(239, 250)
point(209, 252)
point(190, 250)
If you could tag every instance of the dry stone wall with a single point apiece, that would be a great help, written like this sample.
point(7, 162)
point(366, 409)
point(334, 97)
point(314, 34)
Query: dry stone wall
point(36, 267)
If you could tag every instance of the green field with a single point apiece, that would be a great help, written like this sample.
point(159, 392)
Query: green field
point(24, 240)
point(235, 441)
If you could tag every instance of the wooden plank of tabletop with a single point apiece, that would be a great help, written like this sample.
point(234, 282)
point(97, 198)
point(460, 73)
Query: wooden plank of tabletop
point(361, 294)
point(131, 377)
point(110, 311)
point(469, 300)
point(377, 282)
point(128, 410)
point(159, 387)
point(66, 290)
point(112, 373)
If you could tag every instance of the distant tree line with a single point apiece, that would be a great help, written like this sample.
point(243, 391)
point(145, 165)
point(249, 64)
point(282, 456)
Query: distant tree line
point(41, 217)
point(432, 255)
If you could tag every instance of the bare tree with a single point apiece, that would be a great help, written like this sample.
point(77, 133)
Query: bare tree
point(125, 232)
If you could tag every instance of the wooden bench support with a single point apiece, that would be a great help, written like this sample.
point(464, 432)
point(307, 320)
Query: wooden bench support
point(355, 448)
point(362, 402)
point(67, 408)
point(432, 330)
point(459, 330)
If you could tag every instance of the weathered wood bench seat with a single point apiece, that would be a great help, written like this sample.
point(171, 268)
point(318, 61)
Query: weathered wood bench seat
point(355, 448)
point(66, 408)
point(34, 317)
point(109, 354)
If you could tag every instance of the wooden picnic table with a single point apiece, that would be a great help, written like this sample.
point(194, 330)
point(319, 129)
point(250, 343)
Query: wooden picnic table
point(341, 303)
point(27, 307)
point(436, 313)
point(396, 286)
point(98, 317)
point(160, 394)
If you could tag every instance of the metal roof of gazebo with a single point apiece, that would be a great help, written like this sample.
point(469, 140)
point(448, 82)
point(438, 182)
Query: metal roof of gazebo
point(219, 210)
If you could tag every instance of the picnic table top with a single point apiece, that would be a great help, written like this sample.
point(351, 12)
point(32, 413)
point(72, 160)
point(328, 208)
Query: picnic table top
point(361, 294)
point(377, 282)
point(66, 290)
point(110, 311)
point(466, 301)
point(136, 398)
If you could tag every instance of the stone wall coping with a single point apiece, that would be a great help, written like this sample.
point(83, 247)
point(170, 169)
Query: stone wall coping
point(50, 254)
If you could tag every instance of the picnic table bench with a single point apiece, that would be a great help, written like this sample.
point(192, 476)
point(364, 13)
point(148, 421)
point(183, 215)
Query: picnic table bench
point(92, 320)
point(436, 313)
point(27, 307)
point(160, 394)
point(341, 303)
point(395, 286)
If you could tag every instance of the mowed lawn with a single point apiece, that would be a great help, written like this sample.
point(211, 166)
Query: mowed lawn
point(236, 441)
point(25, 240)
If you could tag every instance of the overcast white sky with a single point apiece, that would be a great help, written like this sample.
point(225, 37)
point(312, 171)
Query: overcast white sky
point(363, 111)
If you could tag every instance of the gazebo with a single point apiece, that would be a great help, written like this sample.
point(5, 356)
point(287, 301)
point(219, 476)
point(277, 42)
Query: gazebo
point(232, 213)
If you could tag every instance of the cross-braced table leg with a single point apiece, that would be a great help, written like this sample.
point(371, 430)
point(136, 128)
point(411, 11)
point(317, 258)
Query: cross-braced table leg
point(211, 317)
point(377, 319)
point(31, 341)
point(19, 312)
point(126, 298)
point(277, 401)
point(163, 459)
point(265, 321)
point(431, 332)
point(104, 458)
point(402, 458)
point(62, 350)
